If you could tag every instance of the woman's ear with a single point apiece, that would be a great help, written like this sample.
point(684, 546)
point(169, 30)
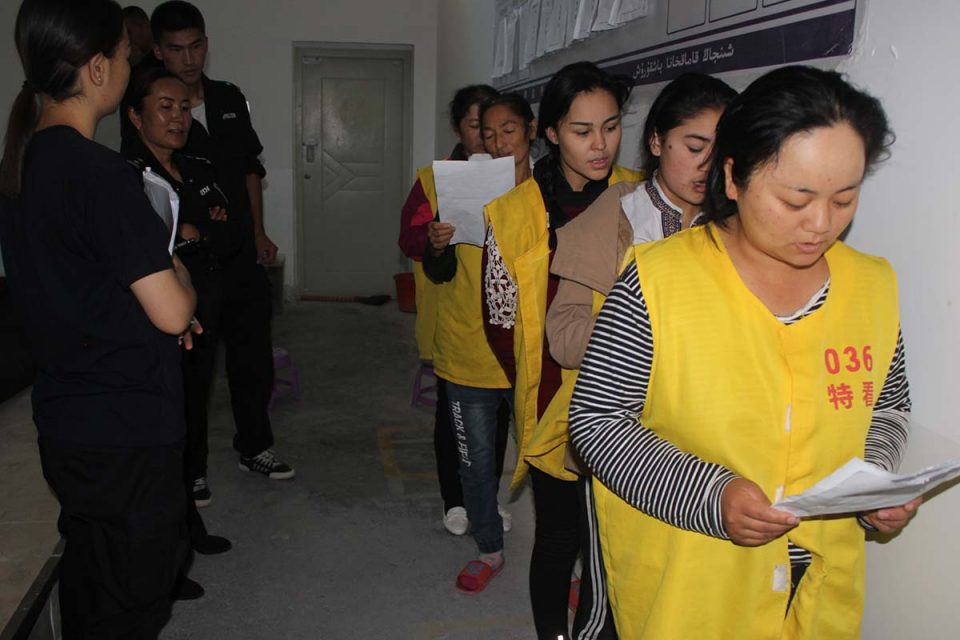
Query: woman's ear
point(135, 118)
point(656, 145)
point(96, 69)
point(552, 135)
point(730, 187)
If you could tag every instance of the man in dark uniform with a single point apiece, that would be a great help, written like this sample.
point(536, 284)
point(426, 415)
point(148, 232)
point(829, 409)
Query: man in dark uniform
point(222, 131)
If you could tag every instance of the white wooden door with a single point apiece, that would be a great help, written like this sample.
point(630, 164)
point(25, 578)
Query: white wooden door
point(352, 153)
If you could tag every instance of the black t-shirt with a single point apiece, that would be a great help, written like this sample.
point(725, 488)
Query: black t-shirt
point(80, 234)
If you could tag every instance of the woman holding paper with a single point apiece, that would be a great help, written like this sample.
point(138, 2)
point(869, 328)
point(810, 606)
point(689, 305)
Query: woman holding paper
point(771, 354)
point(102, 304)
point(419, 210)
point(580, 122)
point(476, 383)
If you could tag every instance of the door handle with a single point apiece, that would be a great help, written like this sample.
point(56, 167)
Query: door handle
point(311, 152)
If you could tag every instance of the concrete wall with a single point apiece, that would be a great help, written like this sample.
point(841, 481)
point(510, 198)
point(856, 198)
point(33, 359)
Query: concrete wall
point(464, 56)
point(907, 214)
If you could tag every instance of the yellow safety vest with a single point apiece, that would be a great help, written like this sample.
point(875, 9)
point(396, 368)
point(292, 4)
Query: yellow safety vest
point(520, 225)
point(461, 353)
point(780, 405)
point(427, 291)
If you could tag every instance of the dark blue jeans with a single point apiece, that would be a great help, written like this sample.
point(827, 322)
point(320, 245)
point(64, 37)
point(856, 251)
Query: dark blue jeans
point(473, 418)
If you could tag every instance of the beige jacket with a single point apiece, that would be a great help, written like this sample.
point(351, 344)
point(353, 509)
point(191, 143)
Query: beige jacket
point(586, 260)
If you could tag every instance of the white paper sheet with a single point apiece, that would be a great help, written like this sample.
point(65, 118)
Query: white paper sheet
point(858, 486)
point(510, 42)
point(545, 35)
point(165, 202)
point(499, 46)
point(585, 14)
point(464, 188)
point(529, 28)
point(624, 11)
point(604, 17)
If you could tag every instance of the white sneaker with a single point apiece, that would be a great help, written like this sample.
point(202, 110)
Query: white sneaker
point(456, 521)
point(506, 517)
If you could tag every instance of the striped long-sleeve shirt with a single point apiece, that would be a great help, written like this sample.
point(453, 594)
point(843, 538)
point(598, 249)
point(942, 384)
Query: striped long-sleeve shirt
point(651, 473)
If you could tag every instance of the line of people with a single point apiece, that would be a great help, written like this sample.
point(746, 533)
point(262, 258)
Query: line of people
point(659, 425)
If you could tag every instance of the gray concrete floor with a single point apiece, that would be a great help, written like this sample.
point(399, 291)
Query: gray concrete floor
point(353, 547)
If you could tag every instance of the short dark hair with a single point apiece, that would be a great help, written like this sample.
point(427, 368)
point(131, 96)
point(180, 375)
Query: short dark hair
point(777, 106)
point(141, 84)
point(175, 15)
point(683, 98)
point(466, 97)
point(517, 104)
point(133, 11)
point(54, 39)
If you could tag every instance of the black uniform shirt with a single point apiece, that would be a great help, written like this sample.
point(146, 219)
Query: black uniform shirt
point(80, 234)
point(231, 143)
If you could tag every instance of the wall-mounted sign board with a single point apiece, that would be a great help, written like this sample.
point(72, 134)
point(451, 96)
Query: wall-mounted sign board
point(654, 41)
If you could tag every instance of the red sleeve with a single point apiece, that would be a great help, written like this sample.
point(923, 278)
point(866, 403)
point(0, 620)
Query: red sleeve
point(414, 217)
point(499, 337)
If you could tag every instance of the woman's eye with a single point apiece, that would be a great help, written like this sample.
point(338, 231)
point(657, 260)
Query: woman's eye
point(794, 206)
point(509, 131)
point(696, 149)
point(843, 205)
point(582, 134)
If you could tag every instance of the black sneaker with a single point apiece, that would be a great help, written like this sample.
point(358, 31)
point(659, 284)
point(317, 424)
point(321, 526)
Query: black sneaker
point(187, 589)
point(210, 545)
point(267, 463)
point(201, 492)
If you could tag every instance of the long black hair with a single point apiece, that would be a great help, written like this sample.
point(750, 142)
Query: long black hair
point(560, 92)
point(778, 105)
point(54, 39)
point(683, 98)
point(466, 97)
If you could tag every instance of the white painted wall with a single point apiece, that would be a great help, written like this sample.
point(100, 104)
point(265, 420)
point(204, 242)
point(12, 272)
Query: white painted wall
point(11, 73)
point(251, 45)
point(464, 56)
point(907, 214)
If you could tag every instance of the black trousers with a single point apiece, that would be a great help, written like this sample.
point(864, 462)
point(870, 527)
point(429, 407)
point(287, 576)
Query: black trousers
point(234, 307)
point(123, 522)
point(566, 527)
point(198, 365)
point(445, 448)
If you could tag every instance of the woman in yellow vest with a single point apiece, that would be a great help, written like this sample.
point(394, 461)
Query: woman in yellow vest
point(580, 121)
point(418, 211)
point(741, 361)
point(476, 383)
point(591, 251)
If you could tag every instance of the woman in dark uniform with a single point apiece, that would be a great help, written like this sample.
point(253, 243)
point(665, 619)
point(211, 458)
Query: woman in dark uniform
point(158, 108)
point(102, 303)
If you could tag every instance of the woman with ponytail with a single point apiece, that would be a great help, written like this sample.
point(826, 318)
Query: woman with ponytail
point(102, 304)
point(579, 120)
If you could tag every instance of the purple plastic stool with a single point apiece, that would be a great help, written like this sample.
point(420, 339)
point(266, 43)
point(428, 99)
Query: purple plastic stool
point(286, 376)
point(421, 394)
